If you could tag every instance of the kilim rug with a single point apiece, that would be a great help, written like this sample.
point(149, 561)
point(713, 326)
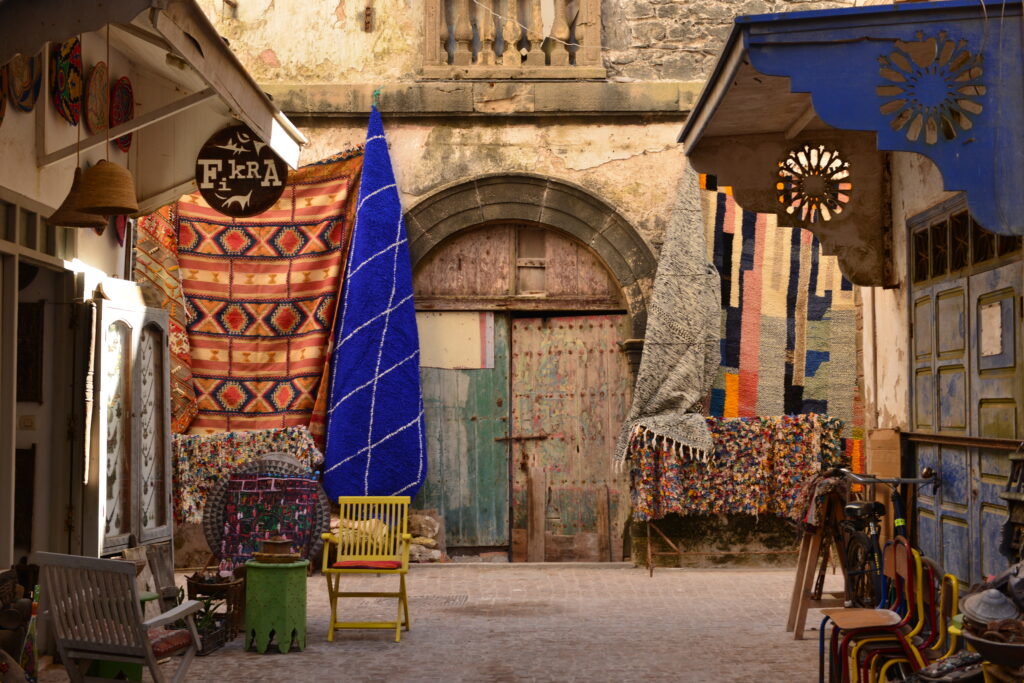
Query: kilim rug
point(376, 443)
point(260, 294)
point(789, 321)
point(157, 272)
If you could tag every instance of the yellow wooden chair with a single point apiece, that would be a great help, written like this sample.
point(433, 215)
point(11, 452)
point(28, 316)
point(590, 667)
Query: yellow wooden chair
point(372, 538)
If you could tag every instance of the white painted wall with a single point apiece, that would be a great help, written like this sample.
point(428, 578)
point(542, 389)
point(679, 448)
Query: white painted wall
point(916, 186)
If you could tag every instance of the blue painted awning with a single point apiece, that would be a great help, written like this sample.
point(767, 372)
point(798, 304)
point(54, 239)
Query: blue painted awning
point(942, 79)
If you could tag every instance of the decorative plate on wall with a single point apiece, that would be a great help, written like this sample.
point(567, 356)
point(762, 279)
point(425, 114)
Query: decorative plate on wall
point(97, 98)
point(121, 225)
point(122, 109)
point(66, 79)
point(24, 78)
point(3, 92)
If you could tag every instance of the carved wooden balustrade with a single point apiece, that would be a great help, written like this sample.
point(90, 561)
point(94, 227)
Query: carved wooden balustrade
point(506, 39)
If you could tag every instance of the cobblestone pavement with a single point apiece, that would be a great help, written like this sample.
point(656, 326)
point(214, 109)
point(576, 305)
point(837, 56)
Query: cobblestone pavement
point(546, 622)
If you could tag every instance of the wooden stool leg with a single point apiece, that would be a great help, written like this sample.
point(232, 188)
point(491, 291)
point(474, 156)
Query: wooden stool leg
point(794, 599)
point(805, 585)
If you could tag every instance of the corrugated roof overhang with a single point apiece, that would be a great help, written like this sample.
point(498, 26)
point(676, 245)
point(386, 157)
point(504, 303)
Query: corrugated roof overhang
point(800, 107)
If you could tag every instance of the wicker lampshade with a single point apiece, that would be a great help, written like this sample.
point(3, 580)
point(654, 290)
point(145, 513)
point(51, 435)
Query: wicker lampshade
point(68, 215)
point(107, 190)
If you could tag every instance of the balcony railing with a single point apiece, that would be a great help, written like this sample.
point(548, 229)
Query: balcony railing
point(507, 39)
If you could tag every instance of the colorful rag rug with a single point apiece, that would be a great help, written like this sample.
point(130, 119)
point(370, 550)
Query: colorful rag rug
point(760, 467)
point(261, 295)
point(156, 271)
point(201, 460)
point(260, 507)
point(376, 443)
point(789, 321)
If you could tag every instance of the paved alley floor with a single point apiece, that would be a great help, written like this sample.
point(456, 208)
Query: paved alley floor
point(546, 622)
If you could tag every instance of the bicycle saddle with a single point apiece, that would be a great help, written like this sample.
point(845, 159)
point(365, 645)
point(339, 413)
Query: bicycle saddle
point(863, 509)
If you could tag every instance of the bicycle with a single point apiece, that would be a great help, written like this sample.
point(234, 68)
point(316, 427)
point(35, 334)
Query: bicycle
point(863, 527)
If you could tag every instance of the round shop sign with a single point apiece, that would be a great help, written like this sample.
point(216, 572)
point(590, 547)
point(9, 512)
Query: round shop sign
point(238, 174)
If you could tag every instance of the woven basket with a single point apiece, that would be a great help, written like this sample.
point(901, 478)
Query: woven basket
point(107, 190)
point(68, 215)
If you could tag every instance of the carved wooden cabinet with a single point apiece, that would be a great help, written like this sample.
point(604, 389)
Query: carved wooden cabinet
point(129, 465)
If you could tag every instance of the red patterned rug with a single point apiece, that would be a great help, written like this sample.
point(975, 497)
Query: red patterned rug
point(260, 295)
point(157, 272)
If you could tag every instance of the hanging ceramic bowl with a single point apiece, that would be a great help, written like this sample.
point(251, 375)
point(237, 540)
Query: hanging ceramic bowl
point(66, 79)
point(122, 109)
point(24, 79)
point(97, 98)
point(3, 92)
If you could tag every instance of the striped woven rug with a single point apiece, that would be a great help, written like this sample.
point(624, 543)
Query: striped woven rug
point(260, 295)
point(789, 321)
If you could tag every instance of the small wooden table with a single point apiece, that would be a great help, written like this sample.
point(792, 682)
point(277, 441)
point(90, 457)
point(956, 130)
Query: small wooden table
point(275, 603)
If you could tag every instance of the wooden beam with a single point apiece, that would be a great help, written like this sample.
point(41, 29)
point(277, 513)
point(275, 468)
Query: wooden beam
point(800, 122)
point(147, 119)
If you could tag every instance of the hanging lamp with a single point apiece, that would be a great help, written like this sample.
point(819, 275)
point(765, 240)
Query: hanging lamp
point(68, 215)
point(107, 188)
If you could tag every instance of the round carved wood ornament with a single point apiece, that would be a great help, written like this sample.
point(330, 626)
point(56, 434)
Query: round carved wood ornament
point(238, 174)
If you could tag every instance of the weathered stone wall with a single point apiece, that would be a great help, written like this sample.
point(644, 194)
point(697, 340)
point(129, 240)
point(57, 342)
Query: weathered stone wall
point(678, 39)
point(322, 41)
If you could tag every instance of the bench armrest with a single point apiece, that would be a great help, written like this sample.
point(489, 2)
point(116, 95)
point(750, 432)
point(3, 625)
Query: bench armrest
point(185, 609)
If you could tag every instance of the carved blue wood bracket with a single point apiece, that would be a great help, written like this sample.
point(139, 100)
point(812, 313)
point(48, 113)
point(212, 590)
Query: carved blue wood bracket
point(942, 79)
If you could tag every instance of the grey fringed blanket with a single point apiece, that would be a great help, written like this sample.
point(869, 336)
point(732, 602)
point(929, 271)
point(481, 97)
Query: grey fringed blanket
point(681, 351)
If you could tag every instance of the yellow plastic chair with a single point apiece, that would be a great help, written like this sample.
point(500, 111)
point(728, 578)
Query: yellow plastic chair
point(372, 538)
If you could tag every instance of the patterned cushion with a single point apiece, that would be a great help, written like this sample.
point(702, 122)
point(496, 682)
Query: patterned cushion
point(365, 564)
point(166, 643)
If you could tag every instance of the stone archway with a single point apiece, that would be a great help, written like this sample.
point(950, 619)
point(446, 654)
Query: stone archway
point(565, 207)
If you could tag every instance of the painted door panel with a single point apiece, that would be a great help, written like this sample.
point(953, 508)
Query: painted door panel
point(570, 385)
point(968, 380)
point(467, 474)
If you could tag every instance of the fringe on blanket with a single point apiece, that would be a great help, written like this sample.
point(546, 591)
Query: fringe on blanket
point(642, 436)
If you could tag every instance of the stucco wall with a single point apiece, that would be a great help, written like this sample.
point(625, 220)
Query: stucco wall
point(634, 167)
point(916, 186)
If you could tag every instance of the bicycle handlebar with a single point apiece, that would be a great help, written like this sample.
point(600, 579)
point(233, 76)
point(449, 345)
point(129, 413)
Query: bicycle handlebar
point(931, 477)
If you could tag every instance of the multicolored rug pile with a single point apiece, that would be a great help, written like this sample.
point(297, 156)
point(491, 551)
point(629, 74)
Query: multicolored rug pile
point(760, 467)
point(201, 460)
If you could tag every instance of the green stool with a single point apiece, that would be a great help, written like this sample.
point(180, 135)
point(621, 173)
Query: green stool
point(275, 604)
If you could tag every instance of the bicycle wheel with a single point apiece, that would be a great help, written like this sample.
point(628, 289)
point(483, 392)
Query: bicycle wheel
point(861, 571)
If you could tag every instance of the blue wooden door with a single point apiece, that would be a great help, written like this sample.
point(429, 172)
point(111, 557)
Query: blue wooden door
point(967, 381)
point(468, 473)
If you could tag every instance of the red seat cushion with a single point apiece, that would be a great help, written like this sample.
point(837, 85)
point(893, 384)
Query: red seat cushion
point(364, 564)
point(166, 643)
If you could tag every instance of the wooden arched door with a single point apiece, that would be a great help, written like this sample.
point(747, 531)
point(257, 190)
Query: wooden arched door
point(525, 388)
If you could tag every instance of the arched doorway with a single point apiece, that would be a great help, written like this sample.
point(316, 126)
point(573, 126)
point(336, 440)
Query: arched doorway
point(525, 383)
point(525, 287)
